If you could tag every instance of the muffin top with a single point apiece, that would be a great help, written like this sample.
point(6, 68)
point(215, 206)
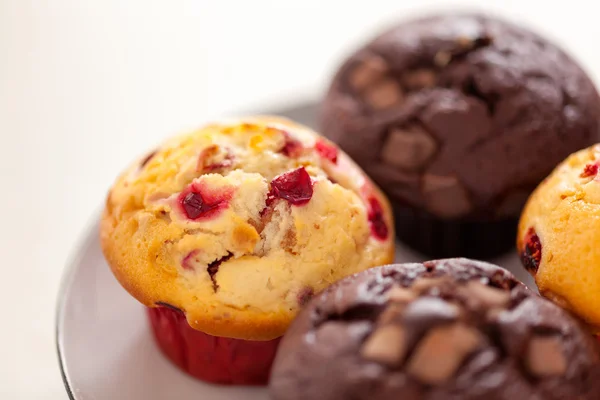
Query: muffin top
point(446, 329)
point(238, 223)
point(559, 235)
point(460, 115)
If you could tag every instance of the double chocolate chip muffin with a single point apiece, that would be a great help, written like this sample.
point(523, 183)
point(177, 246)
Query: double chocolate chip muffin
point(458, 118)
point(446, 329)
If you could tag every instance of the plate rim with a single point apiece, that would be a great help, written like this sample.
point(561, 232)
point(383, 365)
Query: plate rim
point(84, 241)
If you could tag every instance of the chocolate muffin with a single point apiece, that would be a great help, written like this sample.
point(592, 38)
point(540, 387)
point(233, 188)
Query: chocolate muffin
point(458, 118)
point(446, 329)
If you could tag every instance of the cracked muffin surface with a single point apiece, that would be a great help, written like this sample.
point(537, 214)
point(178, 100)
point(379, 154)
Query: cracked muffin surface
point(444, 329)
point(559, 231)
point(460, 115)
point(238, 223)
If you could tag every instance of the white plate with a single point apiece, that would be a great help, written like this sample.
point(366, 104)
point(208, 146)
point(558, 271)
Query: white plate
point(105, 348)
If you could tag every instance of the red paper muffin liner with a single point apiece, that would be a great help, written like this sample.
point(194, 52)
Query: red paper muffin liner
point(211, 358)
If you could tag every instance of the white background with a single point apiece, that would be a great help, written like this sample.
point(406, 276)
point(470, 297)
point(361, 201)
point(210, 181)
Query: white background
point(86, 86)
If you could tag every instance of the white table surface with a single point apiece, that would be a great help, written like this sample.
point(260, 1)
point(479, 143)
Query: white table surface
point(86, 86)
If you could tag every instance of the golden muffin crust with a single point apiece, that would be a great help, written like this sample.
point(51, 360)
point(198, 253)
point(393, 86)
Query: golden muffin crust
point(239, 223)
point(559, 235)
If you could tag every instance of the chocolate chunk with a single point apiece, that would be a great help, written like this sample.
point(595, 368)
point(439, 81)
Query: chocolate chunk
point(439, 355)
point(419, 79)
point(383, 94)
point(408, 148)
point(442, 58)
point(465, 43)
point(488, 296)
point(386, 346)
point(423, 284)
point(401, 295)
point(367, 72)
point(445, 196)
point(545, 357)
point(427, 312)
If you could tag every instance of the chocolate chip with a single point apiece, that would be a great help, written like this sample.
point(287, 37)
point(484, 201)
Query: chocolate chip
point(545, 357)
point(386, 345)
point(383, 94)
point(488, 296)
point(400, 295)
point(370, 70)
point(419, 79)
point(408, 148)
point(445, 196)
point(439, 355)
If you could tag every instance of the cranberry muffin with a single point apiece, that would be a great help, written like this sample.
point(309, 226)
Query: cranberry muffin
point(452, 329)
point(225, 232)
point(458, 117)
point(559, 235)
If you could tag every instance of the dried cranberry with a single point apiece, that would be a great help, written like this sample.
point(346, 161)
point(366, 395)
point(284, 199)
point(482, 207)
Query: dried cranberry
point(589, 170)
point(532, 253)
point(292, 147)
point(295, 187)
point(327, 150)
point(186, 263)
point(213, 268)
point(198, 202)
point(378, 225)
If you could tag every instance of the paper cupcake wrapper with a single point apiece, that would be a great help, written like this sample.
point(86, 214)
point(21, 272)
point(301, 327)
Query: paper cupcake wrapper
point(438, 238)
point(210, 358)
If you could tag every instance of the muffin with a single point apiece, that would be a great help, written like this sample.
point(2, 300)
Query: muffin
point(458, 117)
point(447, 329)
point(559, 235)
point(225, 232)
